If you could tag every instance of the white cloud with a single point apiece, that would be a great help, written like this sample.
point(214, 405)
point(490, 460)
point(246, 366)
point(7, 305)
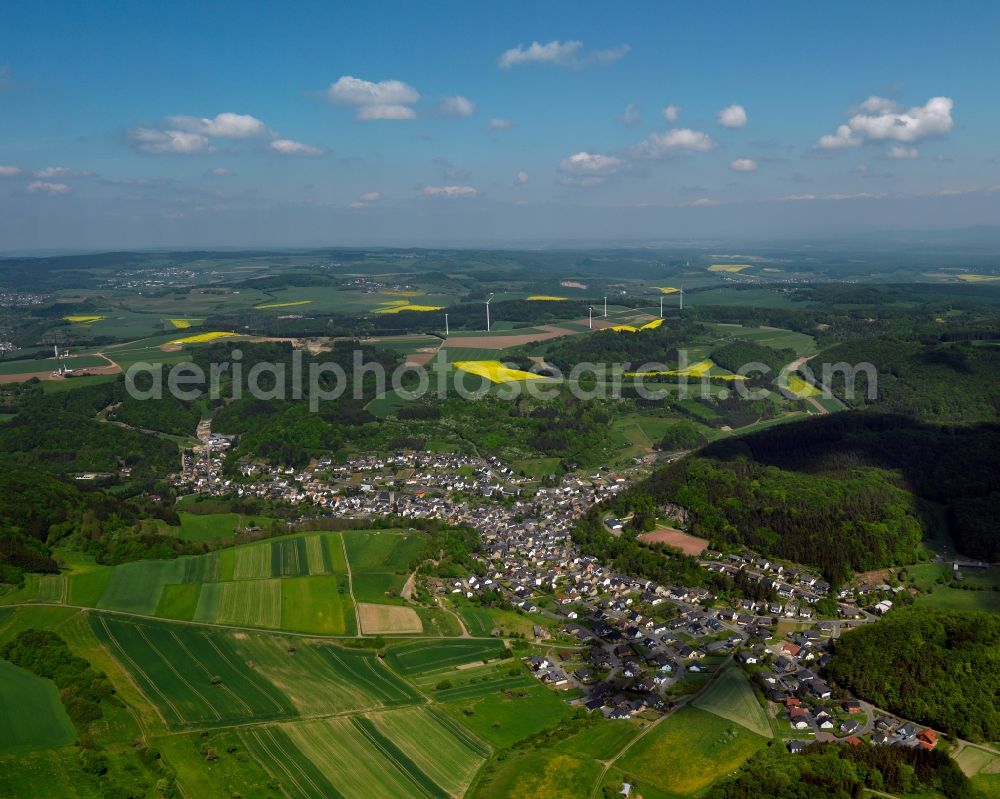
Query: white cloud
point(63, 172)
point(903, 153)
point(564, 54)
point(921, 122)
point(387, 99)
point(876, 105)
point(843, 138)
point(743, 165)
point(289, 147)
point(630, 115)
point(521, 177)
point(701, 202)
point(588, 169)
point(878, 119)
point(223, 126)
point(366, 200)
point(671, 112)
point(218, 172)
point(370, 112)
point(449, 192)
point(500, 124)
point(48, 188)
point(732, 116)
point(674, 142)
point(159, 142)
point(9, 171)
point(457, 106)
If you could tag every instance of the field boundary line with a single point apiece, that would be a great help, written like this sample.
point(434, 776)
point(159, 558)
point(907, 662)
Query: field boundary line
point(201, 665)
point(181, 677)
point(350, 584)
point(244, 628)
point(128, 658)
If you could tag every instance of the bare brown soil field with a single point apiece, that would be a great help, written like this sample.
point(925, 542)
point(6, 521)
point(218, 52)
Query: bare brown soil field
point(49, 375)
point(500, 342)
point(688, 544)
point(382, 619)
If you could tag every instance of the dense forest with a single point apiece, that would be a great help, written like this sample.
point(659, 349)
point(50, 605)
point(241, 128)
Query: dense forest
point(950, 381)
point(836, 771)
point(938, 667)
point(856, 521)
point(951, 466)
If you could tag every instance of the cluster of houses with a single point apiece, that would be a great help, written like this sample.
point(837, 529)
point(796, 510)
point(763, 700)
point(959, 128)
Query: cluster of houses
point(795, 587)
point(642, 637)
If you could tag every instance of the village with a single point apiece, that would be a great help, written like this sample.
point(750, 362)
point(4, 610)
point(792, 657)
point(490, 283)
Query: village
point(622, 646)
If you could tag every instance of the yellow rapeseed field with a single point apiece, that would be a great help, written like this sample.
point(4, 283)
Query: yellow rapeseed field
point(282, 304)
point(666, 289)
point(201, 338)
point(83, 319)
point(181, 324)
point(980, 278)
point(652, 325)
point(401, 293)
point(625, 329)
point(800, 388)
point(494, 371)
point(728, 267)
point(545, 298)
point(402, 305)
point(699, 369)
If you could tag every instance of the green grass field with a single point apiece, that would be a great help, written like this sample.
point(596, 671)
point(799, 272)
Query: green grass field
point(198, 527)
point(712, 747)
point(415, 657)
point(338, 757)
point(503, 720)
point(176, 666)
point(21, 774)
point(250, 603)
point(543, 774)
point(323, 678)
point(318, 604)
point(31, 713)
point(440, 748)
point(980, 593)
point(253, 561)
point(381, 550)
point(731, 697)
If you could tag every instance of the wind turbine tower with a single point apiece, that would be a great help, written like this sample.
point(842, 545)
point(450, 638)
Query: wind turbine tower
point(488, 300)
point(591, 319)
point(682, 299)
point(446, 333)
point(605, 307)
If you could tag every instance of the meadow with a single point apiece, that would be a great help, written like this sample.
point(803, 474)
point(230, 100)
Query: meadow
point(687, 752)
point(31, 714)
point(416, 657)
point(382, 757)
point(504, 716)
point(543, 774)
point(731, 697)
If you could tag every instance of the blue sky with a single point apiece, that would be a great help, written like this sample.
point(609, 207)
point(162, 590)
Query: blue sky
point(200, 124)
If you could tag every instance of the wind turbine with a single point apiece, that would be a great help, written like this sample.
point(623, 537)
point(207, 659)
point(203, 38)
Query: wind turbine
point(681, 308)
point(605, 307)
point(591, 320)
point(661, 306)
point(446, 333)
point(488, 300)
